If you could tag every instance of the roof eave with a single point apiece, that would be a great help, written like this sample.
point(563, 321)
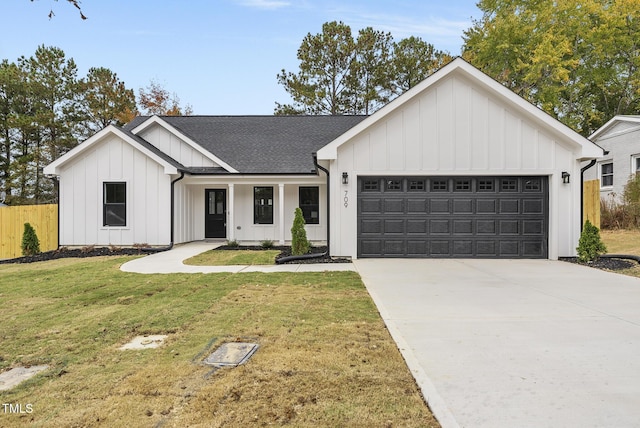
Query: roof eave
point(55, 167)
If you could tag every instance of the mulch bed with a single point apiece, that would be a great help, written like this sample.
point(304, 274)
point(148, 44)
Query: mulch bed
point(603, 263)
point(286, 252)
point(62, 253)
point(612, 264)
point(107, 251)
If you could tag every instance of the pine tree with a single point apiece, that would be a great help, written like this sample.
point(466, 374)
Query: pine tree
point(299, 243)
point(30, 241)
point(590, 246)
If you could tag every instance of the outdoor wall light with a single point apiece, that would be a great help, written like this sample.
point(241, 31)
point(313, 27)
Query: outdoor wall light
point(345, 178)
point(565, 177)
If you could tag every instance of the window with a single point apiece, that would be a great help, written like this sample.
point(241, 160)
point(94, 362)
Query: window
point(309, 202)
point(439, 186)
point(509, 185)
point(370, 186)
point(635, 164)
point(606, 174)
point(393, 185)
point(463, 185)
point(263, 205)
point(532, 185)
point(114, 207)
point(485, 185)
point(416, 185)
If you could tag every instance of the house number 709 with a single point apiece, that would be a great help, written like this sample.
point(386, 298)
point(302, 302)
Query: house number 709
point(346, 198)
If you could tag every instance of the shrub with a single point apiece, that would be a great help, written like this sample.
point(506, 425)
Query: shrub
point(624, 212)
point(266, 244)
point(299, 241)
point(30, 241)
point(590, 246)
point(233, 243)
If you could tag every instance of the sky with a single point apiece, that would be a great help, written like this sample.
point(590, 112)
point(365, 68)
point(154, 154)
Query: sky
point(219, 56)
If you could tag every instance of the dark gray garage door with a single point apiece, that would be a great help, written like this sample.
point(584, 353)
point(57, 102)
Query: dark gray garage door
point(462, 217)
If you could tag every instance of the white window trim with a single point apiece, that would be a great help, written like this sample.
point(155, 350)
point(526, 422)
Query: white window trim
point(604, 162)
point(634, 160)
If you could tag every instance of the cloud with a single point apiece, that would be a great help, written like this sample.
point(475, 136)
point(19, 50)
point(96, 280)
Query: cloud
point(265, 4)
point(444, 33)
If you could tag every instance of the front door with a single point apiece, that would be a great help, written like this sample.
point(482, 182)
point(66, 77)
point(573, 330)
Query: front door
point(215, 213)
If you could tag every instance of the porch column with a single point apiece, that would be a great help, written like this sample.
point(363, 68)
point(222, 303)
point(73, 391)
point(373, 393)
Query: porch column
point(281, 217)
point(231, 227)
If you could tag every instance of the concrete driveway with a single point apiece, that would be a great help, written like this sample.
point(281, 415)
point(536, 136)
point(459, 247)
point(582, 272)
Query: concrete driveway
point(515, 343)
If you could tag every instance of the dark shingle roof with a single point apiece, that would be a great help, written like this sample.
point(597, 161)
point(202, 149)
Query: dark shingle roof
point(262, 144)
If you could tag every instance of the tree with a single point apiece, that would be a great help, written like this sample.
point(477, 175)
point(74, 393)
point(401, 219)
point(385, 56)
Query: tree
point(10, 87)
point(413, 61)
point(577, 59)
point(340, 75)
point(371, 82)
point(590, 245)
point(30, 242)
point(106, 99)
point(299, 242)
point(52, 122)
point(322, 84)
point(155, 99)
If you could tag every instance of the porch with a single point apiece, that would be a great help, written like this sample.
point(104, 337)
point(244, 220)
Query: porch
point(249, 209)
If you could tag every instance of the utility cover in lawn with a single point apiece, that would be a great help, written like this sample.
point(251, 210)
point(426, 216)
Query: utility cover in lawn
point(231, 354)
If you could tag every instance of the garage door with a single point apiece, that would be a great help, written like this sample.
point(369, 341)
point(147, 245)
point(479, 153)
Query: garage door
point(497, 217)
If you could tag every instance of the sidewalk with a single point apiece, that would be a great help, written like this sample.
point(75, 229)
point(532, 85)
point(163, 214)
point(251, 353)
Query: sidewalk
point(172, 262)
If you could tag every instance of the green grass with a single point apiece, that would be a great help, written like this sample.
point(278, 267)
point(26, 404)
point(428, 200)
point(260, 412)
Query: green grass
point(325, 357)
point(234, 257)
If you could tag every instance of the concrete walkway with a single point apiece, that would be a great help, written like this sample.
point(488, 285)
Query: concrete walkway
point(515, 343)
point(172, 262)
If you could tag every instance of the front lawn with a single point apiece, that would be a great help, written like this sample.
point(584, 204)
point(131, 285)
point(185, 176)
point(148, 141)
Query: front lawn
point(623, 242)
point(233, 257)
point(325, 356)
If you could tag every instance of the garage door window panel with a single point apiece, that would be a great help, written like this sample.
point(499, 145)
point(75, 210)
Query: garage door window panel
point(508, 185)
point(462, 185)
point(439, 185)
point(371, 185)
point(485, 185)
point(533, 185)
point(393, 185)
point(417, 185)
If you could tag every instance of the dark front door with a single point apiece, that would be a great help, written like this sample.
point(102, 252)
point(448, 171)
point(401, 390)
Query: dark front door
point(215, 213)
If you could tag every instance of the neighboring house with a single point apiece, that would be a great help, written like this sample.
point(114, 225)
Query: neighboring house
point(458, 166)
point(620, 137)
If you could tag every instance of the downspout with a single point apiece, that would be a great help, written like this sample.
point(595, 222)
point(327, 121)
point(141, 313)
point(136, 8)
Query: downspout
point(326, 171)
point(582, 171)
point(317, 255)
point(170, 246)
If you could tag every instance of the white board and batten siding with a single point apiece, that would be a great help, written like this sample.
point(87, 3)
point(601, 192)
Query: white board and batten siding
point(175, 147)
point(190, 208)
point(455, 127)
point(81, 197)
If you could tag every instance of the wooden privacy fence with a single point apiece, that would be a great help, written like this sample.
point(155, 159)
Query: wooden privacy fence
point(591, 202)
point(43, 218)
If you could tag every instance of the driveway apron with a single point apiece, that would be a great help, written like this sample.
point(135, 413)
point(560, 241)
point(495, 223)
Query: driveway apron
point(514, 343)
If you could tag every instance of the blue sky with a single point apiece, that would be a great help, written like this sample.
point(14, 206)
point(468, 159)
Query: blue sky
point(219, 56)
